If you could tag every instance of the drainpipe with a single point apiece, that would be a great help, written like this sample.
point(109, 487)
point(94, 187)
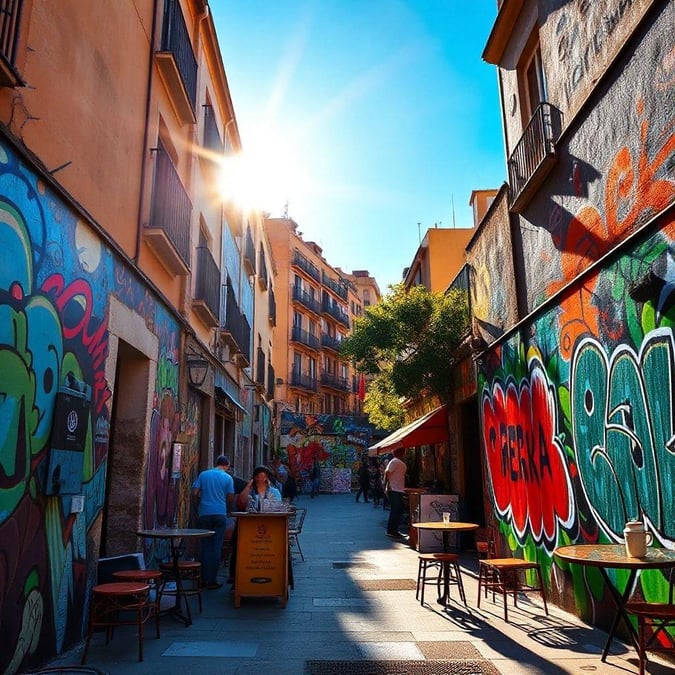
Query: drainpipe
point(146, 131)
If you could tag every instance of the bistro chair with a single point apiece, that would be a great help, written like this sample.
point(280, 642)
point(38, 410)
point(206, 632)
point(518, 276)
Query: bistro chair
point(653, 618)
point(295, 523)
point(485, 542)
point(447, 566)
point(154, 579)
point(509, 575)
point(190, 581)
point(121, 603)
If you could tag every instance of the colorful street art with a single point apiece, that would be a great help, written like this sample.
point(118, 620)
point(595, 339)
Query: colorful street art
point(337, 441)
point(56, 278)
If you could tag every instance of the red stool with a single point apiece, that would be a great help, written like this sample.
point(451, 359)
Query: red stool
point(151, 577)
point(108, 605)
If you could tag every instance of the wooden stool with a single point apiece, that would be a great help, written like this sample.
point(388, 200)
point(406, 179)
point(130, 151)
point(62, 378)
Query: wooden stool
point(109, 601)
point(506, 575)
point(449, 573)
point(190, 571)
point(151, 577)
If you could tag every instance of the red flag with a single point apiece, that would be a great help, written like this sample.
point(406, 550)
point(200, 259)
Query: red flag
point(362, 388)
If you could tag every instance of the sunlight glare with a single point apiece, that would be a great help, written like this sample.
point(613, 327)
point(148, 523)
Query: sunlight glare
point(264, 176)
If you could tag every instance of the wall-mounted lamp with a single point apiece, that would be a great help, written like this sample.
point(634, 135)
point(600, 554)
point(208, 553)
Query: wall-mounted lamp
point(198, 368)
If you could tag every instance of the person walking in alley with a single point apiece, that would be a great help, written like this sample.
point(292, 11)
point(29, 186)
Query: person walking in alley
point(364, 480)
point(316, 478)
point(213, 490)
point(395, 483)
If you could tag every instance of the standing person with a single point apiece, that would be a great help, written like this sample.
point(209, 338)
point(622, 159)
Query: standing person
point(364, 480)
point(395, 476)
point(374, 477)
point(213, 490)
point(316, 478)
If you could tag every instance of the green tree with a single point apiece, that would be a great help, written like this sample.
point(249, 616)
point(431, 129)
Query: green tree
point(407, 342)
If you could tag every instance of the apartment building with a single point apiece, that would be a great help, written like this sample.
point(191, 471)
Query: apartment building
point(130, 357)
point(316, 305)
point(571, 277)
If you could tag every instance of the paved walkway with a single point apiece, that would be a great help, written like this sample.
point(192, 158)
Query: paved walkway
point(333, 616)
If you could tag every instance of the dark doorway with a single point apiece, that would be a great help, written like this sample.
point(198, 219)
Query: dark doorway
point(472, 461)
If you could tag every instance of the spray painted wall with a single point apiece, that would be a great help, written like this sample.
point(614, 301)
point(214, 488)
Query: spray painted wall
point(577, 406)
point(56, 277)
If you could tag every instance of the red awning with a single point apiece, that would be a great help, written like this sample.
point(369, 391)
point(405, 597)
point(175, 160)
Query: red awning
point(426, 430)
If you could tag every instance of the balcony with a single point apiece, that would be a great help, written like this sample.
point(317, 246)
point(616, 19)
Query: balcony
point(303, 381)
point(334, 382)
point(168, 230)
point(213, 144)
point(330, 342)
point(10, 27)
point(534, 156)
point(338, 287)
point(262, 270)
point(235, 330)
point(271, 381)
point(334, 311)
point(300, 261)
point(306, 300)
point(206, 300)
point(177, 64)
point(249, 251)
point(260, 368)
point(271, 308)
point(304, 338)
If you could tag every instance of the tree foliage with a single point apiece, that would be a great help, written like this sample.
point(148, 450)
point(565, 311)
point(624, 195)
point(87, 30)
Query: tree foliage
point(408, 340)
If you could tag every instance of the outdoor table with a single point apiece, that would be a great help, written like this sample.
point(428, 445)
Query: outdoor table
point(445, 529)
point(613, 556)
point(175, 535)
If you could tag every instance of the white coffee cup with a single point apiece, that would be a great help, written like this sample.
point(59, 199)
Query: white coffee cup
point(637, 539)
point(446, 516)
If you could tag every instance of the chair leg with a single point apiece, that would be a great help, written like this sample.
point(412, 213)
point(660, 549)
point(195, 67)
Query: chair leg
point(641, 645)
point(419, 576)
point(297, 541)
point(460, 584)
point(481, 570)
point(139, 621)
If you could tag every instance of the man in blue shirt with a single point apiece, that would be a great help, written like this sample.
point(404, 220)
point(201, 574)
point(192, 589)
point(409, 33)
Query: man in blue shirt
point(214, 490)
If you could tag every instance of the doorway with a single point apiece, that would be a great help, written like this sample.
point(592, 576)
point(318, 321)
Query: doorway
point(472, 462)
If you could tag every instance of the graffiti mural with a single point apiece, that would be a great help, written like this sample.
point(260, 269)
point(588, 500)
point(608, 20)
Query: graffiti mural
point(337, 441)
point(56, 278)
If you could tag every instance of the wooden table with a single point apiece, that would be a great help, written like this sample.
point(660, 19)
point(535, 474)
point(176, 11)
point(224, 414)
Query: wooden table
point(613, 556)
point(446, 529)
point(175, 535)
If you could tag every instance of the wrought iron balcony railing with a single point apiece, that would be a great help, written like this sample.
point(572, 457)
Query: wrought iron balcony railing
point(534, 155)
point(306, 300)
point(272, 308)
point(303, 337)
point(330, 342)
point(170, 213)
point(207, 286)
point(249, 251)
point(262, 269)
point(335, 382)
point(334, 310)
point(212, 139)
point(338, 287)
point(260, 367)
point(303, 380)
point(300, 261)
point(236, 326)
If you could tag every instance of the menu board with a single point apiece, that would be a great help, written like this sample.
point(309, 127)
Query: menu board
point(262, 556)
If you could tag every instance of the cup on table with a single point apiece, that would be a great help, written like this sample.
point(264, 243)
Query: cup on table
point(637, 539)
point(446, 516)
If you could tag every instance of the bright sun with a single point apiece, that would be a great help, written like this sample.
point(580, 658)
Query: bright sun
point(264, 176)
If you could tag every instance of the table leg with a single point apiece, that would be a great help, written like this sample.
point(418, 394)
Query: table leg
point(445, 567)
point(186, 619)
point(620, 602)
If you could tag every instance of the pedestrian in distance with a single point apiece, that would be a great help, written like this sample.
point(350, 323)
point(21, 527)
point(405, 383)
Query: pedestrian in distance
point(395, 477)
point(364, 481)
point(316, 478)
point(213, 490)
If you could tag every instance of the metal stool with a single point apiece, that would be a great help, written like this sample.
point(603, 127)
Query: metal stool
point(449, 573)
point(154, 580)
point(190, 571)
point(109, 601)
point(506, 575)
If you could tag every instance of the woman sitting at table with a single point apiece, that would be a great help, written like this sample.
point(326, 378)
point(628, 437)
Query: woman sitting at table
point(259, 489)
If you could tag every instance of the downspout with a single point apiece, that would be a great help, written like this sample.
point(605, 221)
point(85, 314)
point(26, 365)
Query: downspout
point(151, 65)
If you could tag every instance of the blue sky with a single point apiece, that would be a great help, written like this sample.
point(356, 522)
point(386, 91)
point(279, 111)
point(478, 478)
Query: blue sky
point(383, 109)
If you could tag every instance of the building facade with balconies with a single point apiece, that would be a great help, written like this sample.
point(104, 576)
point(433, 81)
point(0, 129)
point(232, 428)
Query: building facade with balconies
point(315, 305)
point(127, 292)
point(572, 287)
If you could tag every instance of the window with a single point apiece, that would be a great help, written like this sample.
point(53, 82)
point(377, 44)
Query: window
point(531, 80)
point(312, 368)
point(297, 363)
point(297, 320)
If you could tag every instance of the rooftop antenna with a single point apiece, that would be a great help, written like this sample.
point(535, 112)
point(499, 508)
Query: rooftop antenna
point(419, 233)
point(452, 200)
point(285, 214)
